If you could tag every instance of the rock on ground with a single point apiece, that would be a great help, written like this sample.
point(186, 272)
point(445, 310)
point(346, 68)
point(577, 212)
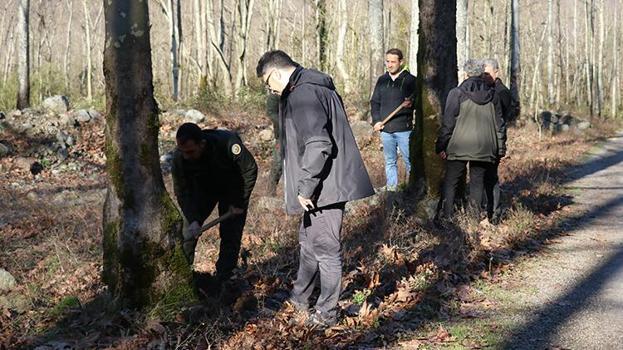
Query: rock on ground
point(7, 281)
point(57, 104)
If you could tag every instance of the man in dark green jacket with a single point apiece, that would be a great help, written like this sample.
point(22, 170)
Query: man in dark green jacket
point(473, 131)
point(213, 167)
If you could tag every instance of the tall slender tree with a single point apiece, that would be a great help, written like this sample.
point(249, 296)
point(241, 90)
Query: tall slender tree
point(143, 258)
point(23, 52)
point(437, 75)
point(515, 65)
point(462, 44)
point(413, 35)
point(377, 44)
point(550, 53)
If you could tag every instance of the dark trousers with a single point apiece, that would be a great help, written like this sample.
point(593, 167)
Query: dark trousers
point(482, 177)
point(230, 232)
point(494, 207)
point(320, 258)
point(276, 169)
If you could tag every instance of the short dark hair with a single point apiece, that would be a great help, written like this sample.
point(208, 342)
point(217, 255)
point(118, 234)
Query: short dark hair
point(189, 131)
point(396, 52)
point(274, 59)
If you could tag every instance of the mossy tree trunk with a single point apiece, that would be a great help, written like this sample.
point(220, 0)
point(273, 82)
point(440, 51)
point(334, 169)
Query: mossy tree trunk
point(144, 264)
point(437, 74)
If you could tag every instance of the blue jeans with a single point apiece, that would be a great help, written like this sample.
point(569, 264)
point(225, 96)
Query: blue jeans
point(391, 143)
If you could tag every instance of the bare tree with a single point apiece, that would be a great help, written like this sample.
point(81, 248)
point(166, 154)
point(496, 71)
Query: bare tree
point(341, 41)
point(515, 65)
point(143, 258)
point(70, 9)
point(322, 38)
point(550, 53)
point(87, 49)
point(272, 14)
point(23, 66)
point(245, 13)
point(436, 77)
point(413, 35)
point(462, 44)
point(615, 65)
point(377, 44)
point(171, 10)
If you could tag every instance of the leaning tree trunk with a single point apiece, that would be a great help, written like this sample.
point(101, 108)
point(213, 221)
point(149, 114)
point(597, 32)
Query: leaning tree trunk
point(23, 61)
point(436, 76)
point(144, 263)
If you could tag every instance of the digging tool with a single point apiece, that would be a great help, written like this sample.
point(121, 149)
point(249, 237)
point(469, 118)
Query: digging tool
point(391, 115)
point(212, 223)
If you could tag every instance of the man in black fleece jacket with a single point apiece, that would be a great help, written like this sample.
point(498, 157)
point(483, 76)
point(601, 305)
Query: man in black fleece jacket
point(394, 88)
point(473, 131)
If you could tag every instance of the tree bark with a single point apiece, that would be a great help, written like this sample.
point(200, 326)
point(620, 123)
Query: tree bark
point(144, 263)
point(600, 60)
point(462, 45)
point(615, 69)
point(70, 9)
point(515, 50)
point(87, 49)
point(322, 39)
point(436, 76)
point(413, 35)
point(377, 45)
point(245, 13)
point(341, 41)
point(23, 65)
point(551, 99)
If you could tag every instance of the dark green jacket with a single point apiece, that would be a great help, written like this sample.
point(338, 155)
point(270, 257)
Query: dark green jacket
point(226, 171)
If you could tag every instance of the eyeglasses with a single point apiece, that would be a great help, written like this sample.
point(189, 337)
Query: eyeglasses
point(266, 83)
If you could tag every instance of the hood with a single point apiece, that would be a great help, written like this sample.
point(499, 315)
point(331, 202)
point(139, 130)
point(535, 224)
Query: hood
point(309, 76)
point(478, 89)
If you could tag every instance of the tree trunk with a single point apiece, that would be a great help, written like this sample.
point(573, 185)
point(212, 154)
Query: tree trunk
point(436, 77)
point(245, 13)
point(322, 38)
point(87, 49)
point(341, 41)
point(273, 24)
point(413, 35)
point(551, 99)
point(23, 65)
point(377, 45)
point(144, 263)
point(515, 65)
point(615, 68)
point(600, 60)
point(462, 45)
point(70, 9)
point(588, 49)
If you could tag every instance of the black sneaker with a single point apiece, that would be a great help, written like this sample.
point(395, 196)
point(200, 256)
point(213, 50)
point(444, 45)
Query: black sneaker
point(321, 320)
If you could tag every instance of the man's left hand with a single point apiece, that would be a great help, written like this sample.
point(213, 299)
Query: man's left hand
point(306, 203)
point(407, 103)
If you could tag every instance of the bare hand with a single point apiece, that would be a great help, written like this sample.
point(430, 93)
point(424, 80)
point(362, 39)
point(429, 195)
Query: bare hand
point(235, 210)
point(378, 126)
point(306, 203)
point(443, 155)
point(407, 103)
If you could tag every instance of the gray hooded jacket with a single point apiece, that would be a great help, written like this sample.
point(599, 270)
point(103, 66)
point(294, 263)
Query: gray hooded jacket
point(321, 158)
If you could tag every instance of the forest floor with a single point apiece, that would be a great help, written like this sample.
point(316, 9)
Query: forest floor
point(402, 275)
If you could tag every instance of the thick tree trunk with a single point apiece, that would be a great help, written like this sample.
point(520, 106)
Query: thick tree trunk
point(462, 45)
point(437, 75)
point(377, 45)
point(144, 263)
point(413, 35)
point(515, 65)
point(23, 54)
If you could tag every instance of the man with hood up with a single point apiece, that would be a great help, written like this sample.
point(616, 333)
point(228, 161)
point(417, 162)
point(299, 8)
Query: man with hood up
point(323, 170)
point(473, 131)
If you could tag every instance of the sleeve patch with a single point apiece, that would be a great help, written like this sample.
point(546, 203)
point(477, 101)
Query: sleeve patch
point(235, 149)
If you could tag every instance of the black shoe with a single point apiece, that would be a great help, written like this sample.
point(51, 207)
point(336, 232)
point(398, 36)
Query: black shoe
point(321, 320)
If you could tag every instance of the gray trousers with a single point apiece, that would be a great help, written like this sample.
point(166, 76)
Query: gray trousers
point(320, 258)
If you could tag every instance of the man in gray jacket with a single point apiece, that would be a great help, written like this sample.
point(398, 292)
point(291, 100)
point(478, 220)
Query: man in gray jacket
point(323, 170)
point(473, 131)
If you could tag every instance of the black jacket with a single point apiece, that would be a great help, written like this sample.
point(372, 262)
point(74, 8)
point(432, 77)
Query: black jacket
point(505, 100)
point(321, 158)
point(226, 171)
point(473, 127)
point(388, 95)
